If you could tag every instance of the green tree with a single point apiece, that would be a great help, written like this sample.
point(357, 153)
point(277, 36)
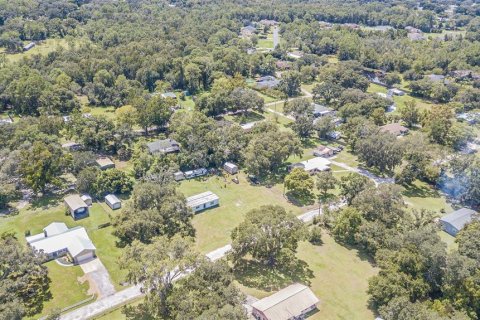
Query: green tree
point(24, 282)
point(352, 184)
point(299, 183)
point(380, 150)
point(154, 210)
point(269, 234)
point(327, 91)
point(41, 165)
point(302, 111)
point(326, 181)
point(468, 240)
point(112, 181)
point(346, 224)
point(208, 293)
point(410, 113)
point(290, 84)
point(156, 266)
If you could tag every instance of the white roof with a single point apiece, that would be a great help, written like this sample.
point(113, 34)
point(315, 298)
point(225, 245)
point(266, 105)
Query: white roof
point(86, 197)
point(55, 228)
point(230, 165)
point(111, 198)
point(201, 198)
point(317, 163)
point(287, 303)
point(73, 240)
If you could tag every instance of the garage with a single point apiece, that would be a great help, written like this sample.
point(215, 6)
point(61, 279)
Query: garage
point(84, 256)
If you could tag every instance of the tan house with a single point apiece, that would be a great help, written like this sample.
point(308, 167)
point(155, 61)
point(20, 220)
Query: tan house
point(292, 302)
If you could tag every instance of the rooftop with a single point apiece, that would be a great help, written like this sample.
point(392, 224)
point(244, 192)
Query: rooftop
point(317, 163)
point(287, 303)
point(112, 198)
point(166, 145)
point(74, 202)
point(201, 198)
point(394, 128)
point(459, 218)
point(104, 162)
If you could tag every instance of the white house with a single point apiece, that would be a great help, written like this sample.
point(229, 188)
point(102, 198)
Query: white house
point(203, 201)
point(314, 165)
point(58, 240)
point(113, 202)
point(292, 302)
point(454, 222)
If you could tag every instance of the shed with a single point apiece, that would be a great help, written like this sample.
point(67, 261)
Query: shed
point(76, 206)
point(179, 176)
point(29, 46)
point(195, 173)
point(322, 111)
point(105, 163)
point(454, 222)
point(203, 201)
point(113, 202)
point(267, 82)
point(72, 146)
point(230, 167)
point(395, 92)
point(292, 302)
point(87, 199)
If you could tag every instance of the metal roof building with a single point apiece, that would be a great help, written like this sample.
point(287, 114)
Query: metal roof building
point(453, 222)
point(203, 201)
point(291, 302)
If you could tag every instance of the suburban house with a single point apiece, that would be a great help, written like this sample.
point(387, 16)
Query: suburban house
point(29, 46)
point(323, 151)
point(76, 206)
point(230, 167)
point(292, 302)
point(58, 240)
point(163, 146)
point(203, 201)
point(72, 146)
point(454, 222)
point(190, 174)
point(313, 166)
point(248, 31)
point(170, 95)
point(395, 129)
point(267, 82)
point(322, 111)
point(268, 23)
point(105, 163)
point(113, 202)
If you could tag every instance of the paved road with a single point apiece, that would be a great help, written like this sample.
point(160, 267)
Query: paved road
point(376, 179)
point(276, 37)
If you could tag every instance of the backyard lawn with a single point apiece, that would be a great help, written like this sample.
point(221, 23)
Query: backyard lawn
point(421, 195)
point(338, 276)
point(42, 48)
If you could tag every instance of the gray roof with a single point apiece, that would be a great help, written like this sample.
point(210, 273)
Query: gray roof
point(267, 82)
point(74, 202)
point(167, 145)
point(55, 228)
point(201, 198)
point(459, 218)
point(169, 95)
point(112, 199)
point(318, 108)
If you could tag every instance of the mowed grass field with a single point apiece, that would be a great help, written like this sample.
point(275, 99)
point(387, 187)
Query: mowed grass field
point(336, 274)
point(45, 47)
point(214, 226)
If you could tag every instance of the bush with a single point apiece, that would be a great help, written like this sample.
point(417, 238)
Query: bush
point(315, 236)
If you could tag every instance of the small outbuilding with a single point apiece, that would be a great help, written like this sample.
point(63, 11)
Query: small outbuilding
point(76, 206)
point(394, 128)
point(322, 111)
point(454, 222)
point(195, 173)
point(323, 151)
point(203, 201)
point(105, 163)
point(292, 302)
point(113, 202)
point(29, 46)
point(72, 146)
point(179, 176)
point(230, 167)
point(87, 199)
point(395, 92)
point(170, 95)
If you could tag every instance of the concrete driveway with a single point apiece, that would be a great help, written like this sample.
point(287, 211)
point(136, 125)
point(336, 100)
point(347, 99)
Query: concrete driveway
point(97, 276)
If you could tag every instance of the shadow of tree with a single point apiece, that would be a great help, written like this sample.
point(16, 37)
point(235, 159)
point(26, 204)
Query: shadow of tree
point(254, 274)
point(420, 192)
point(300, 201)
point(46, 201)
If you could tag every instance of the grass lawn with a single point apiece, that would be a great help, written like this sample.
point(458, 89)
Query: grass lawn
point(43, 48)
point(449, 240)
point(338, 276)
point(421, 104)
point(187, 104)
point(421, 195)
point(107, 112)
point(266, 43)
point(38, 216)
point(347, 158)
point(267, 98)
point(65, 288)
point(309, 86)
point(214, 226)
point(374, 88)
